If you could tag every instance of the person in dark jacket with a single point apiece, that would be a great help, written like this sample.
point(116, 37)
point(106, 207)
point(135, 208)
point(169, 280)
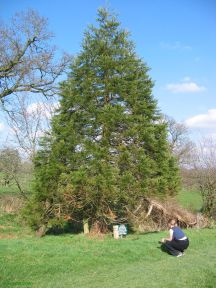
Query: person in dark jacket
point(177, 241)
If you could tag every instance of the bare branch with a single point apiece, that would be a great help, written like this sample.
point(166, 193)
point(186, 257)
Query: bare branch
point(27, 59)
point(204, 172)
point(29, 121)
point(180, 144)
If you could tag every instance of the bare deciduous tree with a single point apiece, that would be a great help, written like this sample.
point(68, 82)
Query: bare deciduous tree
point(11, 167)
point(205, 174)
point(29, 121)
point(9, 164)
point(180, 144)
point(27, 59)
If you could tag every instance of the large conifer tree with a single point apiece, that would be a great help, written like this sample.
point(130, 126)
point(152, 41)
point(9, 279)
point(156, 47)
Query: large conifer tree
point(107, 147)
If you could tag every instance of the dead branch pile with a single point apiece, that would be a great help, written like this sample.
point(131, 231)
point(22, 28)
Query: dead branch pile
point(98, 230)
point(153, 215)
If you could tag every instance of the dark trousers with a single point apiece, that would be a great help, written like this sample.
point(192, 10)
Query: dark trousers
point(175, 246)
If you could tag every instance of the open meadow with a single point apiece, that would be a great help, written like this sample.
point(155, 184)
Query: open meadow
point(77, 261)
point(71, 260)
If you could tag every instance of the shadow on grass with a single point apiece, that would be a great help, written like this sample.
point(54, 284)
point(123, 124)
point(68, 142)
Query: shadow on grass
point(148, 232)
point(68, 228)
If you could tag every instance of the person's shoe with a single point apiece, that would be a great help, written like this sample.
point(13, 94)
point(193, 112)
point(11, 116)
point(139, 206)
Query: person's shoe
point(180, 254)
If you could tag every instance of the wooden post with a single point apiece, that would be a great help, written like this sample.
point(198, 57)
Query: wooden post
point(85, 226)
point(115, 232)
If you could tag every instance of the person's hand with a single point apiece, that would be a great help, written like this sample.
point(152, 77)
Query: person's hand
point(162, 240)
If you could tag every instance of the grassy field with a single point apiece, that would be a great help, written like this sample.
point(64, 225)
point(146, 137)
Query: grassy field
point(190, 199)
point(78, 261)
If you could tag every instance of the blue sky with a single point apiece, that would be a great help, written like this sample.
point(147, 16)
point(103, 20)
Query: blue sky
point(177, 40)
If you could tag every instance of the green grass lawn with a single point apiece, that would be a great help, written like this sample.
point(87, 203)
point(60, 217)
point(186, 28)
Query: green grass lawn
point(77, 261)
point(190, 199)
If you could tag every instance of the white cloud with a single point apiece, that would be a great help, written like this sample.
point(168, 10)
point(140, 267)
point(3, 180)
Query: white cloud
point(185, 87)
point(186, 79)
point(177, 45)
point(45, 109)
point(212, 136)
point(2, 126)
point(34, 107)
point(207, 120)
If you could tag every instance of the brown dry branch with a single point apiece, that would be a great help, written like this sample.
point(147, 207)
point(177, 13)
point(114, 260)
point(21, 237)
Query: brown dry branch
point(153, 215)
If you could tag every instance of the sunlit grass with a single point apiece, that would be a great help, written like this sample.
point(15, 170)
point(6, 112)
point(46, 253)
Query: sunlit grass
point(78, 261)
point(190, 199)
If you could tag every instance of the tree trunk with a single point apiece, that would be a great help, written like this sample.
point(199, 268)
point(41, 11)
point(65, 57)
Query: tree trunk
point(41, 231)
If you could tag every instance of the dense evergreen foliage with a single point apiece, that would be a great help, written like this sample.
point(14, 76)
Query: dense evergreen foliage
point(107, 148)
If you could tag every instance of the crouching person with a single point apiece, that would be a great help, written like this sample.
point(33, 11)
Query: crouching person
point(177, 241)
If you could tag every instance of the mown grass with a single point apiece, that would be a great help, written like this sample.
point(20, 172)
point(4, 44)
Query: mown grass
point(78, 261)
point(190, 199)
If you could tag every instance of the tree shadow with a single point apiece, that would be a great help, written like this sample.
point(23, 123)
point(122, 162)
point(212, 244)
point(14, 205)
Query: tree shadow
point(148, 232)
point(69, 227)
